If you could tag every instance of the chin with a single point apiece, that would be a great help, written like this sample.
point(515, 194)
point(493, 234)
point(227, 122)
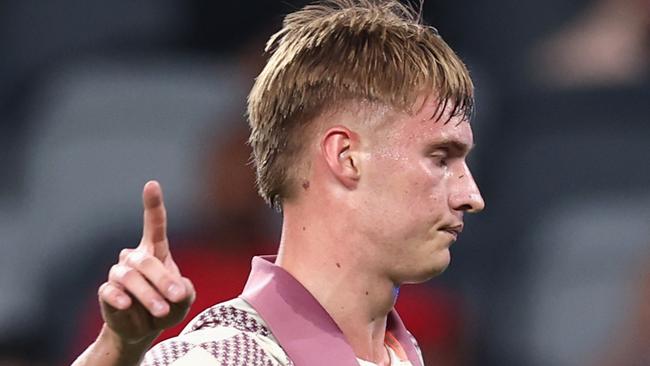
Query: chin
point(424, 271)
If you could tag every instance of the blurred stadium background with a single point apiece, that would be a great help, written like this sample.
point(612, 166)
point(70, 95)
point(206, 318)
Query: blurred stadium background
point(97, 97)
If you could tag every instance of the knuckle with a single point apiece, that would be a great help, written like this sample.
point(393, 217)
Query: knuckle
point(148, 261)
point(189, 284)
point(108, 292)
point(103, 290)
point(191, 292)
point(121, 273)
point(159, 218)
point(114, 272)
point(138, 259)
point(124, 253)
point(164, 281)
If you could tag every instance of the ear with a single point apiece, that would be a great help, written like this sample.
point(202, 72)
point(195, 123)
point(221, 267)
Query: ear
point(340, 148)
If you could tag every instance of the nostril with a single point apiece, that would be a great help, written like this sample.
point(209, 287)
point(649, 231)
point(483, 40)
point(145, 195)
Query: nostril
point(465, 207)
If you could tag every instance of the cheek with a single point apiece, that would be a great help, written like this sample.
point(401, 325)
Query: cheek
point(419, 192)
point(428, 182)
point(403, 184)
point(428, 207)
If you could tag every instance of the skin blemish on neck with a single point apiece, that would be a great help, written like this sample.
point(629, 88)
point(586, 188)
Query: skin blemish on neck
point(461, 176)
point(338, 264)
point(366, 293)
point(304, 228)
point(305, 185)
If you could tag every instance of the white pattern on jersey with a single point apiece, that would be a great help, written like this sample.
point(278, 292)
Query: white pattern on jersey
point(228, 334)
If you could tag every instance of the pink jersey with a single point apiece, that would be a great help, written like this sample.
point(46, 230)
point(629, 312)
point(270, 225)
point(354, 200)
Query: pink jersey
point(275, 321)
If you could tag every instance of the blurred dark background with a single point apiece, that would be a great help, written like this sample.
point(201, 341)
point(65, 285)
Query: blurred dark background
point(97, 97)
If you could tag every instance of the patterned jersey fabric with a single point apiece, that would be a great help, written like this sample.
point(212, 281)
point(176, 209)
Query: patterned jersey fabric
point(229, 334)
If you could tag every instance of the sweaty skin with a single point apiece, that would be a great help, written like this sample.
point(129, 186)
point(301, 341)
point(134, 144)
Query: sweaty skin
point(384, 205)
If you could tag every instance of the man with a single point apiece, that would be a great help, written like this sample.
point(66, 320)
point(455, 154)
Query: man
point(360, 133)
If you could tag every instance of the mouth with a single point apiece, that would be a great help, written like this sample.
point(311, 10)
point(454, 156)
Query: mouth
point(454, 230)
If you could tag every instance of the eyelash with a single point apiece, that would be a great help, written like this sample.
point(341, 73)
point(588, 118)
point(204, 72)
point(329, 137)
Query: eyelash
point(441, 160)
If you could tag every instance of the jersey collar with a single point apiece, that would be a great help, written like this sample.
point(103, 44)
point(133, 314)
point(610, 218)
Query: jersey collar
point(304, 329)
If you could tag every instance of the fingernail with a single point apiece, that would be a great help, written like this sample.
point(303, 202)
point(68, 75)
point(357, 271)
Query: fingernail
point(175, 291)
point(159, 308)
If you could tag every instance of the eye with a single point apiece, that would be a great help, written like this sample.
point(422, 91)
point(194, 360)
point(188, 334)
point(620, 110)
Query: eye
point(440, 159)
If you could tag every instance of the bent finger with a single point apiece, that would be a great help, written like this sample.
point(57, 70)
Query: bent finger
point(189, 289)
point(137, 286)
point(114, 296)
point(166, 282)
point(124, 253)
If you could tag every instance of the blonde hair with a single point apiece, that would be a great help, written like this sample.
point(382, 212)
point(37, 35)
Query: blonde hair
point(338, 51)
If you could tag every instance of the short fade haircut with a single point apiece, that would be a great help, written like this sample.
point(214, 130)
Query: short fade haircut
point(334, 52)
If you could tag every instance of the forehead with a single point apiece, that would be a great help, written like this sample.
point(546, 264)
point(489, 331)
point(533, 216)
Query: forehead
point(432, 125)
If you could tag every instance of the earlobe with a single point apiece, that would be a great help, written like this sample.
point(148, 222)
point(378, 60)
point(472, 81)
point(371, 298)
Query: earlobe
point(339, 147)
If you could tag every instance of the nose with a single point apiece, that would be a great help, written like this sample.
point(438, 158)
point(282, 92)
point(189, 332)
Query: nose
point(464, 193)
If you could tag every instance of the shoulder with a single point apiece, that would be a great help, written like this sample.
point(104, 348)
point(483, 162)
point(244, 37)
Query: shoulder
point(230, 333)
point(236, 314)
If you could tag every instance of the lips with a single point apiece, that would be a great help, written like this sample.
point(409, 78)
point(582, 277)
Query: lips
point(453, 230)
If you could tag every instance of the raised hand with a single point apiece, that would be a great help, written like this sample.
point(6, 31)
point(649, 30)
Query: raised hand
point(145, 292)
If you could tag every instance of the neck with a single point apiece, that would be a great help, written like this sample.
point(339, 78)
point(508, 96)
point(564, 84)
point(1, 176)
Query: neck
point(330, 264)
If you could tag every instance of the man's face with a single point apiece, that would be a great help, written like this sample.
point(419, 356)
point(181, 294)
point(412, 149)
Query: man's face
point(415, 186)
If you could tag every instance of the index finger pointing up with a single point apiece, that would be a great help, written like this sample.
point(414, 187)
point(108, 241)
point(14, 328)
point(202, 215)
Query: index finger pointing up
point(154, 230)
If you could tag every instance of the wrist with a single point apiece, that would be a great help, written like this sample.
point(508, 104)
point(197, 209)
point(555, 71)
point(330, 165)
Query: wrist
point(128, 351)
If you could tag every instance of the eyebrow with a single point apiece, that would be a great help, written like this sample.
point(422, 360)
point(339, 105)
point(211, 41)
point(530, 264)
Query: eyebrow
point(452, 145)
